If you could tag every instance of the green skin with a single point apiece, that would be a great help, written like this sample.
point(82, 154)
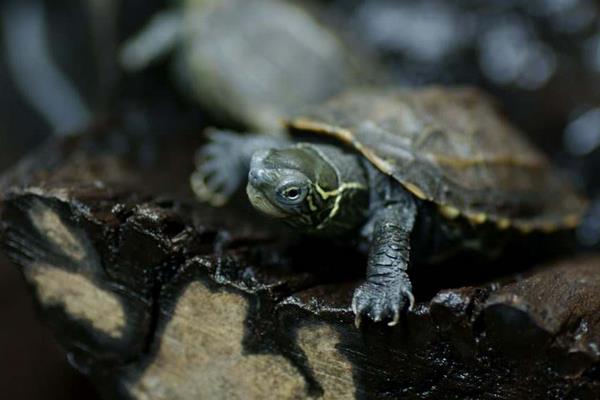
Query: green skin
point(322, 190)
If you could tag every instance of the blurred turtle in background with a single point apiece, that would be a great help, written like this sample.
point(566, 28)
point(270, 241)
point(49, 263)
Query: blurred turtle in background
point(248, 61)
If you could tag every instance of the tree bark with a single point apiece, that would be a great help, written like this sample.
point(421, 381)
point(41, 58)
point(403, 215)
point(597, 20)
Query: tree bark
point(157, 297)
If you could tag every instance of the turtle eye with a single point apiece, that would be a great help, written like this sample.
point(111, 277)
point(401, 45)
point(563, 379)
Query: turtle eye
point(292, 194)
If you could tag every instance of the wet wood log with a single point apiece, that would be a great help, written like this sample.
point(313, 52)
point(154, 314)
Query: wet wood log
point(156, 297)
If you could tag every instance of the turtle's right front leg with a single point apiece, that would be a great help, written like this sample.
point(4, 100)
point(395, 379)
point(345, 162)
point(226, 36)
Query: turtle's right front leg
point(222, 164)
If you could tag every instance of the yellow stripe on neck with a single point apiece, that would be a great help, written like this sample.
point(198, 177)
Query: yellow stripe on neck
point(338, 193)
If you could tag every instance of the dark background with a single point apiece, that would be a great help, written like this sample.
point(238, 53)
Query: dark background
point(540, 58)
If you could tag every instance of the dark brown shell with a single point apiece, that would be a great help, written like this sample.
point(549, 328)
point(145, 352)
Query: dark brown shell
point(451, 146)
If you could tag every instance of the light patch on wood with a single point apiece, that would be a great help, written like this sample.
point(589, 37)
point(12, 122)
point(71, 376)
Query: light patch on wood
point(80, 298)
point(332, 370)
point(51, 226)
point(201, 356)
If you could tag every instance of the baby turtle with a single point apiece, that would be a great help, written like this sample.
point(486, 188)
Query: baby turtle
point(417, 174)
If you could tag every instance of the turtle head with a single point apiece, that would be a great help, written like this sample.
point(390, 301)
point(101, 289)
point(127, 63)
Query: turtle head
point(297, 184)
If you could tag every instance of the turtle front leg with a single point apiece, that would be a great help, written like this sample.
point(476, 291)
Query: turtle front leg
point(387, 289)
point(222, 164)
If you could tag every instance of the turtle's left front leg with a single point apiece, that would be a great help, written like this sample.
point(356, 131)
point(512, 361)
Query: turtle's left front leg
point(222, 165)
point(387, 289)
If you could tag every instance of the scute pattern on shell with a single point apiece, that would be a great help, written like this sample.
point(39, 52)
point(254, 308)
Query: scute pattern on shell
point(451, 146)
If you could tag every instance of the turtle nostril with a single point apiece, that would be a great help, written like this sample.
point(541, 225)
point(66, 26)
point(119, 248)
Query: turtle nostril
point(254, 177)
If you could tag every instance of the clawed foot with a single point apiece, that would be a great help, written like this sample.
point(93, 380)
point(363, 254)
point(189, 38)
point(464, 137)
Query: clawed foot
point(382, 302)
point(220, 168)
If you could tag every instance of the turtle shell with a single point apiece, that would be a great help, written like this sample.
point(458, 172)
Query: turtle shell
point(452, 147)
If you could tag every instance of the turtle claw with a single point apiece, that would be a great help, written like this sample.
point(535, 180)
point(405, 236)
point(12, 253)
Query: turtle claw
point(381, 302)
point(220, 168)
point(358, 307)
point(406, 292)
point(203, 190)
point(357, 321)
point(411, 299)
point(395, 320)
